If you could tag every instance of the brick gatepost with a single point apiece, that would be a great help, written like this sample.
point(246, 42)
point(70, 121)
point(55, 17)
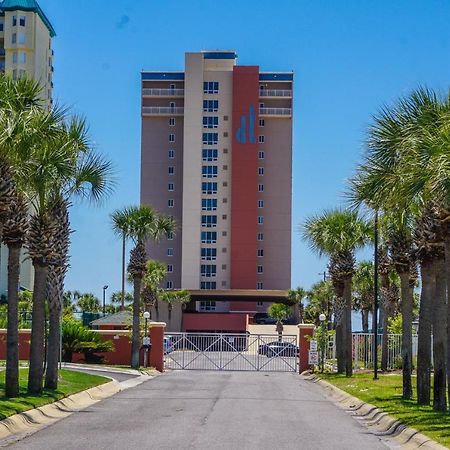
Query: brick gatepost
point(305, 332)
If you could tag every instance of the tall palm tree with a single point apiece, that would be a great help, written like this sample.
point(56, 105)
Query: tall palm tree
point(320, 300)
point(172, 298)
point(297, 296)
point(143, 224)
point(154, 275)
point(338, 233)
point(363, 291)
point(279, 312)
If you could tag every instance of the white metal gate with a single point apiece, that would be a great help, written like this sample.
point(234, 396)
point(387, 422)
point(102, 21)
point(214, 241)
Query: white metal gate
point(231, 352)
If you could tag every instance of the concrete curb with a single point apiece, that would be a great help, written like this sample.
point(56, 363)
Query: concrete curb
point(387, 428)
point(19, 426)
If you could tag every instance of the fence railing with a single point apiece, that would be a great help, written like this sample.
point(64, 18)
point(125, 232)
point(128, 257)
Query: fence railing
point(275, 93)
point(275, 111)
point(157, 92)
point(162, 110)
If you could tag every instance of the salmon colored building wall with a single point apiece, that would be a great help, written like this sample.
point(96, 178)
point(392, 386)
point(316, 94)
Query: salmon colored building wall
point(305, 332)
point(215, 321)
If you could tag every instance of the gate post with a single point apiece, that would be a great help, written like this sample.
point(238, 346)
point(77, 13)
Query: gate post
point(156, 331)
point(305, 332)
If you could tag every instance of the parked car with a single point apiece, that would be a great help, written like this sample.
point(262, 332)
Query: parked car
point(277, 348)
point(263, 319)
point(167, 345)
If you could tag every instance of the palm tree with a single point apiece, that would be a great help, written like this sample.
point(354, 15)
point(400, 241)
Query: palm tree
point(88, 303)
point(173, 298)
point(154, 275)
point(338, 233)
point(143, 223)
point(363, 291)
point(279, 312)
point(320, 300)
point(297, 296)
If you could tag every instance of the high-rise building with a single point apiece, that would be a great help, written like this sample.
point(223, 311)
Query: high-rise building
point(25, 50)
point(217, 156)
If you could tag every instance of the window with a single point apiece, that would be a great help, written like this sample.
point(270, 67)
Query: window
point(22, 57)
point(210, 105)
point(210, 138)
point(261, 155)
point(14, 38)
point(208, 270)
point(209, 188)
point(260, 171)
point(171, 137)
point(209, 221)
point(171, 170)
point(1, 26)
point(14, 21)
point(209, 154)
point(172, 86)
point(171, 187)
point(261, 122)
point(170, 252)
point(260, 188)
point(261, 105)
point(172, 105)
point(22, 20)
point(170, 203)
point(261, 139)
point(210, 87)
point(172, 121)
point(209, 204)
point(21, 39)
point(207, 305)
point(260, 220)
point(225, 151)
point(14, 74)
point(259, 285)
point(260, 269)
point(171, 154)
point(209, 171)
point(209, 237)
point(207, 285)
point(260, 237)
point(169, 285)
point(170, 236)
point(169, 268)
point(14, 58)
point(260, 203)
point(259, 303)
point(225, 167)
point(209, 254)
point(260, 252)
point(210, 122)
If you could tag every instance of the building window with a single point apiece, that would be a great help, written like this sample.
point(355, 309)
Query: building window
point(171, 154)
point(14, 58)
point(259, 285)
point(210, 122)
point(209, 237)
point(261, 105)
point(170, 252)
point(261, 155)
point(172, 121)
point(172, 86)
point(170, 268)
point(210, 105)
point(209, 221)
point(210, 138)
point(169, 285)
point(171, 170)
point(260, 171)
point(260, 220)
point(14, 38)
point(1, 26)
point(260, 269)
point(225, 151)
point(171, 187)
point(209, 254)
point(259, 303)
point(170, 203)
point(22, 21)
point(261, 139)
point(206, 305)
point(209, 188)
point(170, 235)
point(260, 237)
point(14, 21)
point(260, 253)
point(22, 57)
point(21, 39)
point(260, 188)
point(210, 87)
point(171, 137)
point(209, 154)
point(172, 105)
point(261, 122)
point(209, 204)
point(208, 270)
point(209, 171)
point(260, 203)
point(208, 285)
point(14, 74)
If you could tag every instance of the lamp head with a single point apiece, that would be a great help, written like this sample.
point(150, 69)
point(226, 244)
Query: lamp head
point(322, 317)
point(146, 315)
point(105, 287)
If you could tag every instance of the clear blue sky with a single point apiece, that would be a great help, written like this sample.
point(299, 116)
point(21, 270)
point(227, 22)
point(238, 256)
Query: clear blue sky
point(349, 58)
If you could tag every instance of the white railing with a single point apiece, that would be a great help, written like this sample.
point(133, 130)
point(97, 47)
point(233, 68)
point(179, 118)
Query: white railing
point(162, 111)
point(275, 111)
point(275, 93)
point(156, 92)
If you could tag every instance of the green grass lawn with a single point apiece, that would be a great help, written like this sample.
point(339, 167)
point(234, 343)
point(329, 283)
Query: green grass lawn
point(70, 383)
point(386, 393)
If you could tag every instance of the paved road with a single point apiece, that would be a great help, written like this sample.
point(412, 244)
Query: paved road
point(210, 410)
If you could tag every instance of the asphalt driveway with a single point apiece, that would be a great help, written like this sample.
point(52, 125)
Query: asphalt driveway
point(210, 410)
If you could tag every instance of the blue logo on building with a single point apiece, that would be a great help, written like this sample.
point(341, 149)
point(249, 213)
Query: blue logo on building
point(241, 133)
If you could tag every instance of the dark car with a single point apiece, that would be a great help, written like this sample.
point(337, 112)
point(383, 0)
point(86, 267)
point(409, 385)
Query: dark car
point(273, 349)
point(263, 319)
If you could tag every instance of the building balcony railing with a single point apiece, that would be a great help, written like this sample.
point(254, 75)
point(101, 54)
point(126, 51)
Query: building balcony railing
point(285, 93)
point(162, 111)
point(284, 112)
point(156, 92)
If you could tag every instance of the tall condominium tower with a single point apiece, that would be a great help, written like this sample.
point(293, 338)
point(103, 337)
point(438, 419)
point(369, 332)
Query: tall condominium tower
point(25, 50)
point(216, 155)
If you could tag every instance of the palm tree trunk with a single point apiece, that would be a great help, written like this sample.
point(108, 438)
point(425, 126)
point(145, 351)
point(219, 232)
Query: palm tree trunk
point(35, 374)
point(136, 333)
point(365, 320)
point(384, 324)
point(406, 309)
point(348, 327)
point(447, 275)
point(340, 346)
point(424, 338)
point(440, 339)
point(122, 304)
point(12, 336)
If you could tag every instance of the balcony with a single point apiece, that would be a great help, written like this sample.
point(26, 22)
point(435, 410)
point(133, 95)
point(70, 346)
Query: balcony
point(270, 93)
point(162, 111)
point(275, 112)
point(156, 92)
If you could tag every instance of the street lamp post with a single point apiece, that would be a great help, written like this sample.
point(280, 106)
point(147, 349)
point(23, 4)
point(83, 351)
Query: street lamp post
point(104, 297)
point(146, 341)
point(322, 319)
point(375, 299)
